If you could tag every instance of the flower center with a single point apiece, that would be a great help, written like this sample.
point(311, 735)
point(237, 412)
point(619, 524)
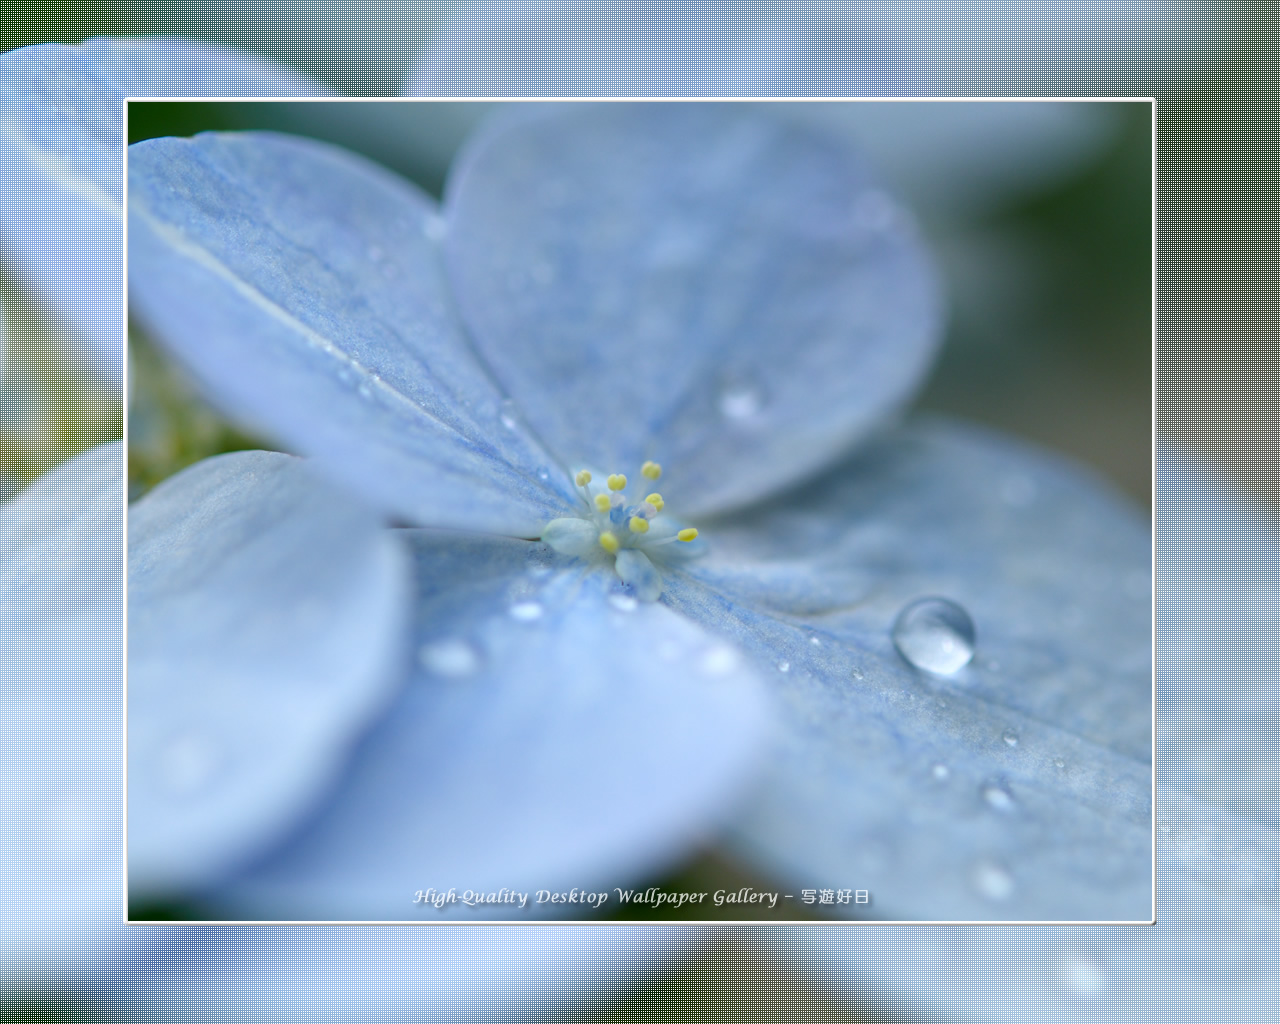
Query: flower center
point(610, 527)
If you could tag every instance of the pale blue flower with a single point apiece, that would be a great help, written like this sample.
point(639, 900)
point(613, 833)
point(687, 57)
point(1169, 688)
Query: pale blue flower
point(734, 296)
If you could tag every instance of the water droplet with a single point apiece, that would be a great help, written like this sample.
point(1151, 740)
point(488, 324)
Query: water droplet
point(1083, 975)
point(815, 640)
point(507, 414)
point(454, 659)
point(998, 797)
point(1010, 737)
point(992, 880)
point(525, 611)
point(856, 674)
point(934, 634)
point(740, 401)
point(940, 771)
point(1059, 763)
point(784, 666)
point(623, 602)
point(189, 763)
point(719, 660)
point(544, 474)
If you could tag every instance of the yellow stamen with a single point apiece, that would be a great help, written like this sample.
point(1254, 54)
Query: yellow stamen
point(609, 542)
point(638, 525)
point(687, 535)
point(617, 481)
point(583, 478)
point(603, 503)
point(655, 499)
point(651, 470)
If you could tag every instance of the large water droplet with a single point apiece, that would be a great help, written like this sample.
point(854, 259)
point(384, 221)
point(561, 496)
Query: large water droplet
point(525, 611)
point(998, 796)
point(992, 880)
point(935, 634)
point(740, 401)
point(453, 659)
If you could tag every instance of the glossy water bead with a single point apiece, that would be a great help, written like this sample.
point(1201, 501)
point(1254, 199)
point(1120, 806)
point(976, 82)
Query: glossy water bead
point(609, 528)
point(935, 634)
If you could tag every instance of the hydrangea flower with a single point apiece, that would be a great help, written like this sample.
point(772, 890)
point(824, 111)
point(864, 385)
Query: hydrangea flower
point(1183, 963)
point(733, 295)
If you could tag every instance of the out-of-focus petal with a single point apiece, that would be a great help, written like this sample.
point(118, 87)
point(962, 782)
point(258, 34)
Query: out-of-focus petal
point(62, 127)
point(831, 48)
point(1018, 787)
point(266, 625)
point(1211, 954)
point(557, 734)
point(60, 672)
point(706, 285)
point(302, 286)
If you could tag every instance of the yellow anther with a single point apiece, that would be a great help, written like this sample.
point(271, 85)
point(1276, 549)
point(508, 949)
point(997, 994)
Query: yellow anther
point(687, 535)
point(603, 503)
point(583, 478)
point(609, 542)
point(651, 470)
point(617, 481)
point(655, 499)
point(639, 525)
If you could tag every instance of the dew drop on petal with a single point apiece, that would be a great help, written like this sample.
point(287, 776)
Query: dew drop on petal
point(740, 401)
point(992, 881)
point(507, 414)
point(623, 602)
point(784, 666)
point(1010, 737)
point(815, 640)
point(1059, 762)
point(997, 796)
point(934, 634)
point(940, 771)
point(453, 659)
point(525, 611)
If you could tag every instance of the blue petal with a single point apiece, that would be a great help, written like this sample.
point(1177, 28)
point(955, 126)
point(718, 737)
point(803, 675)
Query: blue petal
point(393, 974)
point(266, 617)
point(770, 48)
point(61, 120)
point(1211, 955)
point(301, 284)
point(705, 285)
point(1018, 788)
point(552, 738)
point(60, 751)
